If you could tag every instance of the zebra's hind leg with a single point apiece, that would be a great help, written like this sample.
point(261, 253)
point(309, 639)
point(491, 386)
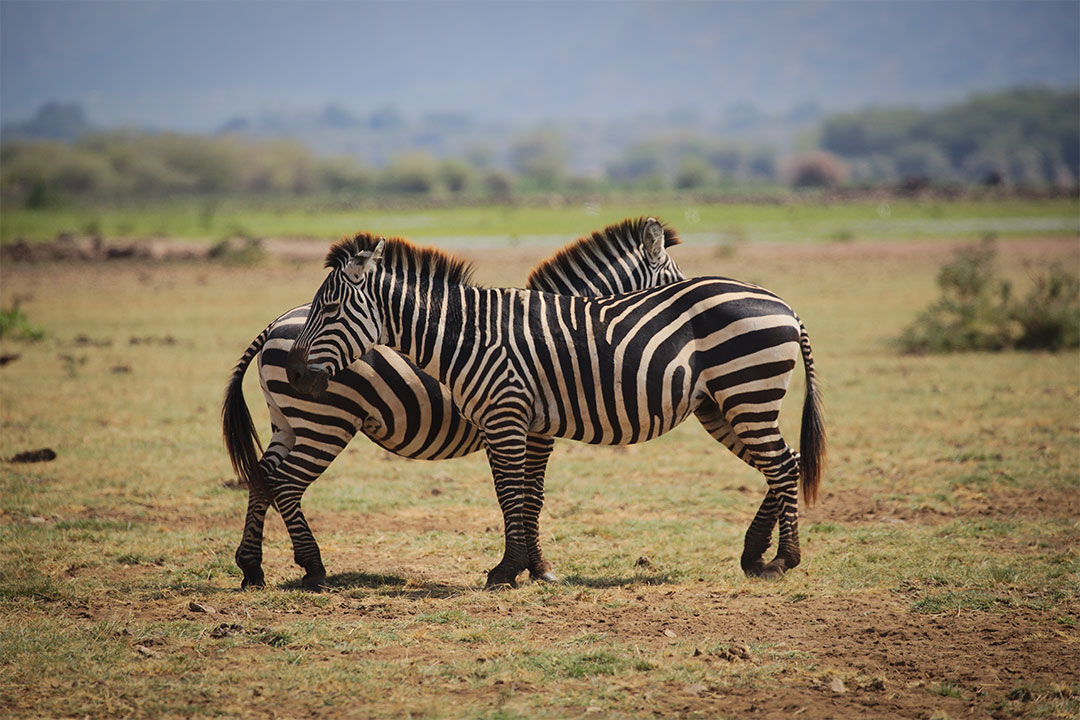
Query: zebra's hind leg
point(537, 451)
point(762, 448)
point(759, 537)
point(780, 506)
point(309, 457)
point(249, 553)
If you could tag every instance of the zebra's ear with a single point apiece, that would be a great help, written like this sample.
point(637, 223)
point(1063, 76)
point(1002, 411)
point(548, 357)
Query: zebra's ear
point(652, 239)
point(364, 262)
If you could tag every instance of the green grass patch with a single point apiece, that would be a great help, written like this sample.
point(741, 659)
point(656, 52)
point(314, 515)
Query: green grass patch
point(507, 225)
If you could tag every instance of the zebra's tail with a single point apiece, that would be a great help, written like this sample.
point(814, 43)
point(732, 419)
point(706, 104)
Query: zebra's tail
point(241, 437)
point(812, 436)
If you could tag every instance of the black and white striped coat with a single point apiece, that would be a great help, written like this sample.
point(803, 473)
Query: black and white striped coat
point(386, 397)
point(614, 370)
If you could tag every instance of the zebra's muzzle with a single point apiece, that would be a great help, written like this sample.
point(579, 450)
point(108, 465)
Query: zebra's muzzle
point(305, 378)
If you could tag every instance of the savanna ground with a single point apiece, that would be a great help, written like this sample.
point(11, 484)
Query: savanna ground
point(940, 567)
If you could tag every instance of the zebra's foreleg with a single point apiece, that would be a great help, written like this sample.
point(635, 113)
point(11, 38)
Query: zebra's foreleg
point(506, 455)
point(305, 550)
point(537, 451)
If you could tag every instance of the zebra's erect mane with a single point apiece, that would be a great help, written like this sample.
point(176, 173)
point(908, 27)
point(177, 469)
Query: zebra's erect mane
point(399, 253)
point(620, 233)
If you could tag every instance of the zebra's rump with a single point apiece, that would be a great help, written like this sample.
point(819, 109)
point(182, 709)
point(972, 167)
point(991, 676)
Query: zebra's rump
point(383, 395)
point(629, 369)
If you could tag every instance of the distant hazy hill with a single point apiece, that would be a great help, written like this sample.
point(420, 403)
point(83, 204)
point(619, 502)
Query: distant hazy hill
point(380, 135)
point(52, 121)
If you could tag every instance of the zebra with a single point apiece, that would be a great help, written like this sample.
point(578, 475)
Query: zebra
point(524, 364)
point(386, 397)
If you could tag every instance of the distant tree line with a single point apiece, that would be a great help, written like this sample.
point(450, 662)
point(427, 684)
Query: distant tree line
point(1024, 137)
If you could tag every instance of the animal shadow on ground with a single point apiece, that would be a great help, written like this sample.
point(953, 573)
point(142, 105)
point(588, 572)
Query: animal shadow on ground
point(389, 585)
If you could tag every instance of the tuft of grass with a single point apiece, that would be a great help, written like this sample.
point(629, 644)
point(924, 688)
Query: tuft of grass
point(954, 601)
point(946, 689)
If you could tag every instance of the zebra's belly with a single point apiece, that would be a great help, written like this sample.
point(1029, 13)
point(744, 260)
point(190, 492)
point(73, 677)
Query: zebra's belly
point(619, 413)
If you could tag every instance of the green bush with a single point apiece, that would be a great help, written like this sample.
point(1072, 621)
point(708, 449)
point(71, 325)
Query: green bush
point(14, 324)
point(1050, 316)
point(977, 310)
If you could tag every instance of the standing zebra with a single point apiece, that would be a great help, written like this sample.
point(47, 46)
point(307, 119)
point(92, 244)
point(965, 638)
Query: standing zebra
point(608, 370)
point(400, 407)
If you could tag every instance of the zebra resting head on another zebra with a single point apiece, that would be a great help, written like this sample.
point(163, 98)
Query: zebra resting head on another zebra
point(394, 403)
point(526, 366)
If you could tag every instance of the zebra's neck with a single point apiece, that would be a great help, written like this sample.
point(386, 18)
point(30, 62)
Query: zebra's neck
point(432, 321)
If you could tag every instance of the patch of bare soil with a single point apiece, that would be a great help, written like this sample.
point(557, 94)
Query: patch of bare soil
point(862, 656)
point(863, 506)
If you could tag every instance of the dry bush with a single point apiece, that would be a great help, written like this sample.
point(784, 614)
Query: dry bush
point(817, 169)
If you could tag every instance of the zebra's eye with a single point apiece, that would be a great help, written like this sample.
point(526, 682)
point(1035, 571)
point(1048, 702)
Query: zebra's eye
point(331, 308)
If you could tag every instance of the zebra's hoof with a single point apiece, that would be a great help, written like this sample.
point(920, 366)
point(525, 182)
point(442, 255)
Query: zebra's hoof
point(253, 579)
point(500, 579)
point(541, 572)
point(772, 572)
point(776, 569)
point(314, 583)
point(753, 568)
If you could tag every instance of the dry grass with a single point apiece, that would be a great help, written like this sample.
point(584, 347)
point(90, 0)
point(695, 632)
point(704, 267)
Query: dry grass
point(940, 569)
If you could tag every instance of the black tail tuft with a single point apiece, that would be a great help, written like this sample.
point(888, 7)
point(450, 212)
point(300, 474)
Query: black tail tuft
point(241, 437)
point(812, 436)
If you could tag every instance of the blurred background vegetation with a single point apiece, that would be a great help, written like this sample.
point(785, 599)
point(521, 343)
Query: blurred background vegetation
point(1024, 139)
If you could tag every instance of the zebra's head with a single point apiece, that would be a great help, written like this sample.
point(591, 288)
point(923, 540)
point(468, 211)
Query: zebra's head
point(623, 257)
point(343, 321)
point(655, 239)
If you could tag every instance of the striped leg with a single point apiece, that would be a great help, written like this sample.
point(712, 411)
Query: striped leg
point(781, 505)
point(249, 553)
point(758, 442)
point(506, 455)
point(303, 466)
point(305, 550)
point(759, 534)
point(537, 451)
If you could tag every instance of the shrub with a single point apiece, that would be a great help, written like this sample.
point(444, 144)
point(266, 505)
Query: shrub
point(410, 173)
point(817, 169)
point(456, 175)
point(14, 324)
point(693, 173)
point(977, 310)
point(1049, 318)
point(540, 157)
